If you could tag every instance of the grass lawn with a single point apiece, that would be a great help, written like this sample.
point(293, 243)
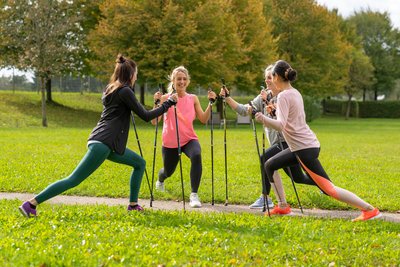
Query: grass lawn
point(359, 155)
point(109, 236)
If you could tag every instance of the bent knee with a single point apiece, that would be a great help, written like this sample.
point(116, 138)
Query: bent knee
point(269, 165)
point(142, 162)
point(139, 164)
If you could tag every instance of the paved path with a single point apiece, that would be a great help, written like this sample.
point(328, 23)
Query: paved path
point(207, 207)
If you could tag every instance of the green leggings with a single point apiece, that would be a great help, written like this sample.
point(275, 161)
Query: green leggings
point(97, 153)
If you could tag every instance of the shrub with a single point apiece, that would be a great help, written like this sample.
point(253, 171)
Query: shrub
point(312, 107)
point(367, 109)
point(378, 109)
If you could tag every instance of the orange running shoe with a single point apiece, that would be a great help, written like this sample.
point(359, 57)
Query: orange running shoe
point(368, 215)
point(279, 211)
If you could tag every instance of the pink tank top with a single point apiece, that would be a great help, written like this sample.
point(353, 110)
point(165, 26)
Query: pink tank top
point(186, 115)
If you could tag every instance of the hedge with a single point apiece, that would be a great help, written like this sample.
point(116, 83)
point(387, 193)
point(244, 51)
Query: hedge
point(367, 109)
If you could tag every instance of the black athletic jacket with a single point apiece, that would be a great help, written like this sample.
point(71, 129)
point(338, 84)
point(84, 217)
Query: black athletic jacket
point(113, 126)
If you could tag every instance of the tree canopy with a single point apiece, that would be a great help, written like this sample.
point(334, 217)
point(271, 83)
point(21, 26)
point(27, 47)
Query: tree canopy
point(212, 38)
point(42, 35)
point(309, 38)
point(382, 44)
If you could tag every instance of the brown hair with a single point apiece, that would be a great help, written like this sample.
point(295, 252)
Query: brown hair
point(124, 71)
point(284, 70)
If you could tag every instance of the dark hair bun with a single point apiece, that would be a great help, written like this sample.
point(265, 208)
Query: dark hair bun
point(285, 71)
point(120, 59)
point(291, 75)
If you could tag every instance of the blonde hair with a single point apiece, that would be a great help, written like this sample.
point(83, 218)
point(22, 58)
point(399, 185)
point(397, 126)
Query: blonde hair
point(173, 75)
point(268, 69)
point(124, 71)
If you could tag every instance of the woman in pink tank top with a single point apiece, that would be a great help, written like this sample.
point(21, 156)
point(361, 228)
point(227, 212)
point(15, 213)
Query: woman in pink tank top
point(187, 109)
point(304, 146)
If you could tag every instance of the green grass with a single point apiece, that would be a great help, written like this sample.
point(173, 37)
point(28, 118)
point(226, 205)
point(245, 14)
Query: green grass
point(107, 236)
point(23, 109)
point(359, 155)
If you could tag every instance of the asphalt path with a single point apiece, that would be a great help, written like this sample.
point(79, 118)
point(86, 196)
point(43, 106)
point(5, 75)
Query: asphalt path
point(206, 207)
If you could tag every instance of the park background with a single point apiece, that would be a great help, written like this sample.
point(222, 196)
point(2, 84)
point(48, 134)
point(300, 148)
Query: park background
point(348, 74)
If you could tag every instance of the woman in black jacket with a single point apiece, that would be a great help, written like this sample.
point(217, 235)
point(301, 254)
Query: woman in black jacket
point(108, 139)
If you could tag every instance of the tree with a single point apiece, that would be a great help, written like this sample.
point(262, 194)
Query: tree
point(310, 40)
point(161, 35)
point(19, 81)
point(90, 14)
point(382, 44)
point(257, 43)
point(360, 76)
point(396, 91)
point(42, 35)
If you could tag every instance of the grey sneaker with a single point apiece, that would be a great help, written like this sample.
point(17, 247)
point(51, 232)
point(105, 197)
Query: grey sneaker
point(194, 201)
point(259, 203)
point(160, 186)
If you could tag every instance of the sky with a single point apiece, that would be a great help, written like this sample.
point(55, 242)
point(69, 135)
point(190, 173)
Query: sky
point(345, 8)
point(9, 72)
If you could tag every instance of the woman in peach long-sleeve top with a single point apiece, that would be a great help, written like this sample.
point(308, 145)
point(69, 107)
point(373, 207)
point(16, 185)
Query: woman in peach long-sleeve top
point(304, 146)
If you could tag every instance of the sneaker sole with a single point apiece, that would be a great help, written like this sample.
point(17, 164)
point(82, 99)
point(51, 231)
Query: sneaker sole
point(278, 214)
point(258, 207)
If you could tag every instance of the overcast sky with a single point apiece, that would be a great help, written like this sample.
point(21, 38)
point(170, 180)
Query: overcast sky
point(347, 7)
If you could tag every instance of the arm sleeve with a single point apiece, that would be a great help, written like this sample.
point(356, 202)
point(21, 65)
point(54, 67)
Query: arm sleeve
point(282, 111)
point(271, 123)
point(242, 109)
point(258, 103)
point(129, 98)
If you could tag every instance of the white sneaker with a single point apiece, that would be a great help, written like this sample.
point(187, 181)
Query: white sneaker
point(259, 203)
point(160, 186)
point(194, 201)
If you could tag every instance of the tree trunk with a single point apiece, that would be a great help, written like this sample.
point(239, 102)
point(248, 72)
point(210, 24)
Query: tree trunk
point(376, 94)
point(13, 82)
point(364, 94)
point(348, 107)
point(48, 90)
point(42, 86)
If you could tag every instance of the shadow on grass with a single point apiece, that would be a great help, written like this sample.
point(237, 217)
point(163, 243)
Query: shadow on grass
point(57, 114)
point(26, 111)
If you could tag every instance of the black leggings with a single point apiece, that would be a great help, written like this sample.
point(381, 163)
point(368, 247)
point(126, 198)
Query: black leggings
point(308, 159)
point(171, 158)
point(292, 170)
